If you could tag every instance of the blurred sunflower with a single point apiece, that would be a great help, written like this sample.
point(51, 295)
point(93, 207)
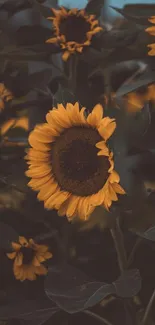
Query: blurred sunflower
point(28, 257)
point(66, 167)
point(151, 31)
point(5, 96)
point(136, 100)
point(73, 30)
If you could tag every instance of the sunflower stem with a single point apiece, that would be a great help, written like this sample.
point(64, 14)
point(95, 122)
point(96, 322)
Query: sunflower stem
point(73, 72)
point(97, 317)
point(117, 236)
point(148, 309)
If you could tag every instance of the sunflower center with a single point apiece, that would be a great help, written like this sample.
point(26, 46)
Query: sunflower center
point(28, 254)
point(75, 163)
point(74, 28)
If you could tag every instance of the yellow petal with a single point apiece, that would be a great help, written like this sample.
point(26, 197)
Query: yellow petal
point(118, 188)
point(104, 149)
point(23, 241)
point(37, 184)
point(65, 55)
point(11, 255)
point(106, 128)
point(152, 19)
point(112, 193)
point(35, 261)
point(34, 142)
point(19, 259)
point(94, 118)
point(152, 51)
point(16, 246)
point(84, 208)
point(39, 171)
point(114, 177)
point(41, 270)
point(63, 208)
point(72, 206)
point(48, 189)
point(48, 255)
point(151, 30)
point(42, 136)
point(60, 118)
point(55, 200)
point(79, 49)
point(76, 115)
point(52, 40)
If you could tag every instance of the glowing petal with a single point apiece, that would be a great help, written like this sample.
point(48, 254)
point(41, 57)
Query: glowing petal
point(107, 127)
point(65, 55)
point(16, 246)
point(37, 172)
point(94, 118)
point(151, 30)
point(23, 241)
point(104, 149)
point(48, 190)
point(118, 188)
point(11, 255)
point(19, 259)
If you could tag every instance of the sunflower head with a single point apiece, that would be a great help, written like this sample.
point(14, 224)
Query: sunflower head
point(28, 258)
point(5, 96)
point(73, 30)
point(70, 164)
point(151, 31)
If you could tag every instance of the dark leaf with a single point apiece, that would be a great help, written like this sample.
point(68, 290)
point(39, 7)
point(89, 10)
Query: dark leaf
point(29, 35)
point(94, 7)
point(28, 309)
point(135, 16)
point(73, 291)
point(39, 79)
point(148, 234)
point(140, 9)
point(117, 38)
point(15, 6)
point(7, 235)
point(144, 80)
point(128, 284)
point(41, 9)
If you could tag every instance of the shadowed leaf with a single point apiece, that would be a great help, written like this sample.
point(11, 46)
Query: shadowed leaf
point(94, 7)
point(74, 291)
point(7, 235)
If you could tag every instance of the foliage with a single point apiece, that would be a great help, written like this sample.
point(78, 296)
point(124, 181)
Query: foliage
point(96, 261)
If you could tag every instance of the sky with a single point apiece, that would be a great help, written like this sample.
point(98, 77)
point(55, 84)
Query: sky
point(117, 3)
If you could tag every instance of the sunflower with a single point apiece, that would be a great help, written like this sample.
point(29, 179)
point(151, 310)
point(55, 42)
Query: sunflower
point(28, 257)
point(151, 31)
point(70, 164)
point(5, 96)
point(137, 100)
point(73, 30)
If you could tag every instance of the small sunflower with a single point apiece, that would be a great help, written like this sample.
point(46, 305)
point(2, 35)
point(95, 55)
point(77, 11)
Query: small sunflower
point(65, 165)
point(5, 96)
point(137, 100)
point(73, 30)
point(28, 257)
point(151, 31)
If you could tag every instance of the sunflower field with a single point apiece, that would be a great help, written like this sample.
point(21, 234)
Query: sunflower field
point(77, 163)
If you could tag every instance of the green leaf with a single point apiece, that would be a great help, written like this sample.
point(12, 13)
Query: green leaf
point(7, 235)
point(144, 80)
point(140, 9)
point(74, 291)
point(137, 13)
point(94, 7)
